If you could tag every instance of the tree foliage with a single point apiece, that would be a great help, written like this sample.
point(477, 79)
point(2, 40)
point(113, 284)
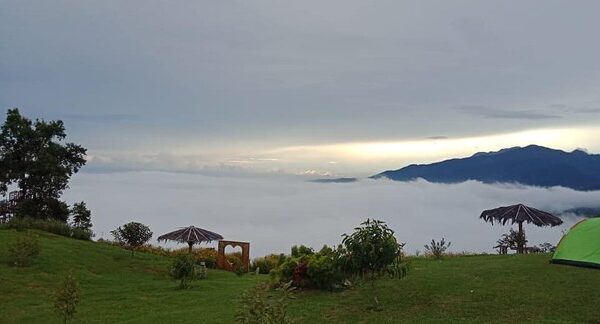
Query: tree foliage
point(371, 248)
point(82, 216)
point(34, 157)
point(67, 298)
point(133, 235)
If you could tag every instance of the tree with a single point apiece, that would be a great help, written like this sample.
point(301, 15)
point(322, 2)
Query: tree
point(67, 298)
point(34, 157)
point(133, 235)
point(82, 216)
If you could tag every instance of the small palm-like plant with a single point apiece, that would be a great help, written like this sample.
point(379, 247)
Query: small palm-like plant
point(437, 249)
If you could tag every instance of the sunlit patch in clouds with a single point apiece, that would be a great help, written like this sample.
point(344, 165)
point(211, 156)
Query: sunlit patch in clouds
point(275, 213)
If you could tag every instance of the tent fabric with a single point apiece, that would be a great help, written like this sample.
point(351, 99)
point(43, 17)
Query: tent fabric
point(581, 245)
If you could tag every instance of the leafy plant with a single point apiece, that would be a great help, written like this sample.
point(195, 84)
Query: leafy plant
point(547, 247)
point(133, 235)
point(371, 248)
point(262, 305)
point(34, 157)
point(182, 269)
point(82, 216)
point(67, 298)
point(437, 249)
point(23, 251)
point(267, 263)
point(513, 239)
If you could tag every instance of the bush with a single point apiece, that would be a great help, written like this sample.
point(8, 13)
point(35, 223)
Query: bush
point(263, 305)
point(23, 251)
point(49, 225)
point(67, 298)
point(371, 248)
point(82, 234)
point(267, 263)
point(182, 269)
point(206, 255)
point(437, 249)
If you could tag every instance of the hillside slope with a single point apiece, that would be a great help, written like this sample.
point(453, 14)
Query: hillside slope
point(532, 165)
point(114, 286)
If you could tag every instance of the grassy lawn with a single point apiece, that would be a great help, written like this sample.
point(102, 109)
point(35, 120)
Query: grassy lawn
point(114, 286)
point(118, 288)
point(510, 289)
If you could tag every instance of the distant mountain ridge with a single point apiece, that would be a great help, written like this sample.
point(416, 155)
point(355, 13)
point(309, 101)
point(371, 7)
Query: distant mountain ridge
point(531, 165)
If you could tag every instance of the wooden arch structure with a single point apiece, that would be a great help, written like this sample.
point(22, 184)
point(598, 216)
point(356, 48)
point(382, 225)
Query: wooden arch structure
point(222, 262)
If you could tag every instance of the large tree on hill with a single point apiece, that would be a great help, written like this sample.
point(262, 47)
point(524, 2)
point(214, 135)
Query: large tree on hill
point(34, 157)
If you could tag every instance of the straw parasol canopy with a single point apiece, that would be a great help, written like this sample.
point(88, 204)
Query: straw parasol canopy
point(190, 235)
point(520, 214)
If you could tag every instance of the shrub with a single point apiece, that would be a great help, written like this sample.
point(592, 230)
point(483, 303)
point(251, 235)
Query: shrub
point(263, 305)
point(67, 298)
point(513, 239)
point(267, 263)
point(82, 234)
point(437, 249)
point(206, 255)
point(323, 272)
point(182, 269)
point(23, 251)
point(133, 235)
point(547, 247)
point(371, 248)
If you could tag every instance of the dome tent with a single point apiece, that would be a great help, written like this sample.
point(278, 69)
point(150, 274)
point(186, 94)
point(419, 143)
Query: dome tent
point(581, 245)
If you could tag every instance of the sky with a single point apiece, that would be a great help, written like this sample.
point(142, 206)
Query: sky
point(335, 88)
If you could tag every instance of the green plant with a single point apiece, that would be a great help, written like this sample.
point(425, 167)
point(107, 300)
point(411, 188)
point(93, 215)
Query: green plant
point(262, 305)
point(67, 298)
point(133, 235)
point(267, 263)
point(82, 216)
point(182, 269)
point(437, 249)
point(23, 250)
point(34, 157)
point(82, 234)
point(371, 248)
point(513, 239)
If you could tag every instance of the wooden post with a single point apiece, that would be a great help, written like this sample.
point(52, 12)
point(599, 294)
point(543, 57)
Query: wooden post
point(520, 247)
point(190, 245)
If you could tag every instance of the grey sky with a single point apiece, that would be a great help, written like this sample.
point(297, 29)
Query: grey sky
point(229, 85)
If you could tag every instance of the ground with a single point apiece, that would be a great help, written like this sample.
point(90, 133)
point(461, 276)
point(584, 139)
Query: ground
point(118, 288)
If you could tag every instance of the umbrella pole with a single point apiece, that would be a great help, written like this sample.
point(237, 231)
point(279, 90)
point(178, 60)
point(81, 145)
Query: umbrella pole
point(520, 248)
point(190, 246)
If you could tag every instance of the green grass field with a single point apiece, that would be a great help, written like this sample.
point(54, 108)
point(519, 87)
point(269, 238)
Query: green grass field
point(117, 288)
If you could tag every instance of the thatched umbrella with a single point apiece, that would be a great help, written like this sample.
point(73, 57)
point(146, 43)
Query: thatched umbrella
point(520, 214)
point(190, 235)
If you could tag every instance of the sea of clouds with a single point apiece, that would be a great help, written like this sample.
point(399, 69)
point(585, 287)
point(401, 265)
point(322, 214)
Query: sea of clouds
point(274, 213)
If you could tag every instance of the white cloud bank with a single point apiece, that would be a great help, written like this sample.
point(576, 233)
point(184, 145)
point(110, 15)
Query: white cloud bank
point(276, 213)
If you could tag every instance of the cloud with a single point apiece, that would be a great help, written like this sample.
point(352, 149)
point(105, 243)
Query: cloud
point(275, 213)
point(489, 112)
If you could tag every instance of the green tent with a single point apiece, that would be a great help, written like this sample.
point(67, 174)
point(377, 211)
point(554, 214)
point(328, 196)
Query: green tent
point(581, 245)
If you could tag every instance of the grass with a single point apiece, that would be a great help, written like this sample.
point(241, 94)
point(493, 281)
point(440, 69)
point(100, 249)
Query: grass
point(118, 288)
point(508, 289)
point(114, 286)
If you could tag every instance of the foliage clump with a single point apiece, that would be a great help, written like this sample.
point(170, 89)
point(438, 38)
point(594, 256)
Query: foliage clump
point(265, 264)
point(371, 251)
point(513, 239)
point(67, 298)
point(262, 305)
point(23, 250)
point(437, 249)
point(182, 269)
point(132, 235)
point(371, 248)
point(34, 157)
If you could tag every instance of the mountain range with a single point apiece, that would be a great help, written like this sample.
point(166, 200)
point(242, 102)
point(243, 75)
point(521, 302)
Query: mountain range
point(531, 165)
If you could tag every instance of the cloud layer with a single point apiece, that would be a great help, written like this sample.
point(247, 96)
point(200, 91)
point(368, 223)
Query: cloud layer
point(276, 213)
